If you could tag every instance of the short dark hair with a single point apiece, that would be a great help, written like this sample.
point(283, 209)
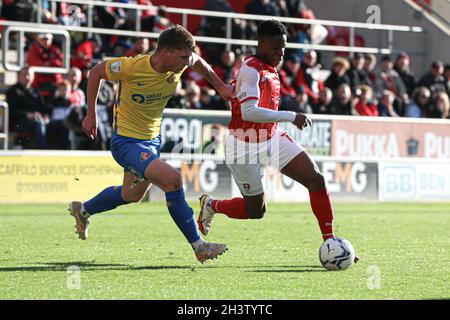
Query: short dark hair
point(437, 64)
point(175, 38)
point(271, 28)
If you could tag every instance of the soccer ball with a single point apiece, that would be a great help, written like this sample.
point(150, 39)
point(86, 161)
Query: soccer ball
point(336, 254)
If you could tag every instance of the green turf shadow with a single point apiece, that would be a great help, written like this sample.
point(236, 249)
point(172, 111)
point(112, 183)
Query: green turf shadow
point(86, 266)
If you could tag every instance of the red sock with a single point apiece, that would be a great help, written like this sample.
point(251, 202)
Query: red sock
point(233, 208)
point(323, 210)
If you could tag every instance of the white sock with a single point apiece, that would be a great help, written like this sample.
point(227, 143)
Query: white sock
point(197, 243)
point(83, 211)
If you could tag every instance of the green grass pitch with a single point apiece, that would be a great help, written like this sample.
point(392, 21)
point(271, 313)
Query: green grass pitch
point(136, 252)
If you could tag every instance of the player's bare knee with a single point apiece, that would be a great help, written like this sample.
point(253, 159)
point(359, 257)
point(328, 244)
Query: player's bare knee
point(174, 182)
point(317, 183)
point(320, 181)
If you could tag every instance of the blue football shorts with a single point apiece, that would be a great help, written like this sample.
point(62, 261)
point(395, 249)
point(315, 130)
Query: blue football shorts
point(134, 154)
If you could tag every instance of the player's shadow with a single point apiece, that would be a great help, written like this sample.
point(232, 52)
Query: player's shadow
point(85, 266)
point(293, 269)
point(94, 266)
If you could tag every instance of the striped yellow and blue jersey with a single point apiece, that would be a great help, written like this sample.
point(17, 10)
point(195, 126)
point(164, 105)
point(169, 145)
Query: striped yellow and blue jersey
point(141, 96)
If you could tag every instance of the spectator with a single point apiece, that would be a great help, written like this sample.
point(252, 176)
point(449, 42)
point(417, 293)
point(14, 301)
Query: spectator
point(306, 78)
point(324, 104)
point(193, 96)
point(60, 106)
point(302, 33)
point(283, 7)
point(178, 100)
point(389, 79)
point(71, 15)
point(121, 45)
point(112, 18)
point(370, 61)
point(47, 16)
point(105, 103)
point(386, 105)
point(261, 7)
point(73, 121)
point(338, 75)
point(191, 75)
point(439, 107)
point(240, 56)
point(299, 103)
point(287, 92)
point(209, 100)
point(356, 72)
point(294, 7)
point(78, 110)
point(434, 79)
point(153, 19)
point(28, 113)
point(142, 46)
point(216, 27)
point(206, 99)
point(86, 53)
point(44, 53)
point(77, 96)
point(225, 68)
point(447, 77)
point(19, 10)
point(402, 63)
point(291, 65)
point(420, 98)
point(342, 103)
point(364, 105)
point(84, 79)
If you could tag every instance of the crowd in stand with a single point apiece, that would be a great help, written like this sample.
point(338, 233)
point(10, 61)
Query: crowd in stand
point(46, 110)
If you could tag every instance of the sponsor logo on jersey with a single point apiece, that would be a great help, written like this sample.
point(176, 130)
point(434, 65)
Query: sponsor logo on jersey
point(138, 98)
point(148, 99)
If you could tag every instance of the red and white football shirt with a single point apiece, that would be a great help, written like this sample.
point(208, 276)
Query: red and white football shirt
point(257, 81)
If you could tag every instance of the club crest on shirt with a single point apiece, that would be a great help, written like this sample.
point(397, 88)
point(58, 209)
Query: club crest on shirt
point(115, 66)
point(266, 76)
point(144, 156)
point(171, 78)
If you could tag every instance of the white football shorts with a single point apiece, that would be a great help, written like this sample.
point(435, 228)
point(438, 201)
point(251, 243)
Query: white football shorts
point(246, 161)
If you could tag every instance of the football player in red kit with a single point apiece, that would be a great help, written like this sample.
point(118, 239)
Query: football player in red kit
point(255, 140)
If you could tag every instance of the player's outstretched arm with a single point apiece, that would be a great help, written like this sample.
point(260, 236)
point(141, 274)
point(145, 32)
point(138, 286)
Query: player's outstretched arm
point(247, 91)
point(90, 121)
point(250, 112)
point(204, 69)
